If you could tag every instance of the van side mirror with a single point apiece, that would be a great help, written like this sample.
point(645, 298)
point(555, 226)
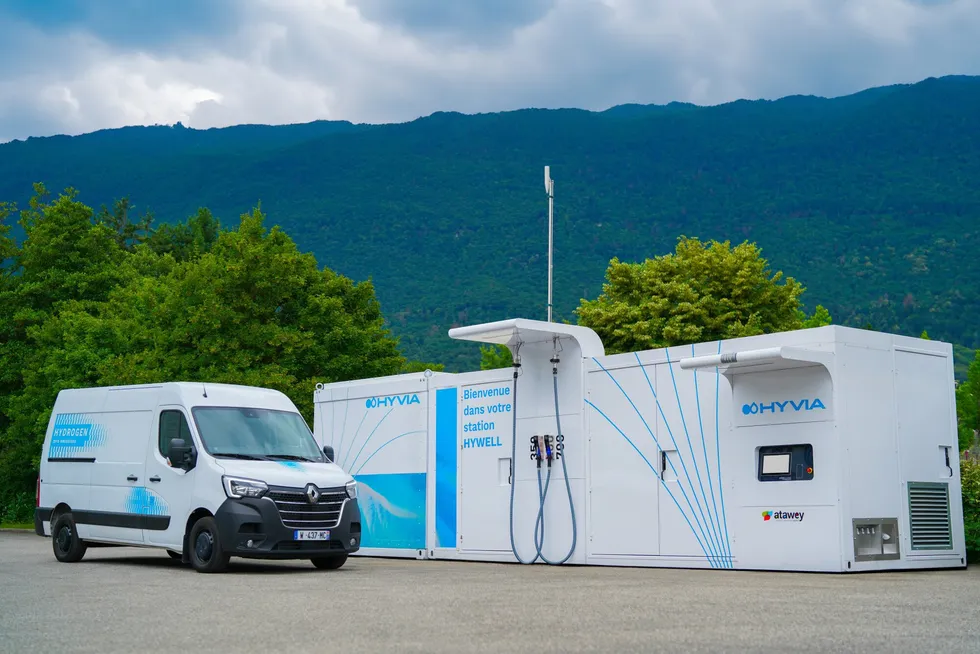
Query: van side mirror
point(328, 452)
point(182, 455)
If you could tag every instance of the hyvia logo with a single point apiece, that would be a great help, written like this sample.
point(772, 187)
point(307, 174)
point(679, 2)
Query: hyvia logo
point(804, 404)
point(392, 401)
point(784, 516)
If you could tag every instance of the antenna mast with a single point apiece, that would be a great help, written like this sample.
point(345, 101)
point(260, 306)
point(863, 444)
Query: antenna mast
point(549, 187)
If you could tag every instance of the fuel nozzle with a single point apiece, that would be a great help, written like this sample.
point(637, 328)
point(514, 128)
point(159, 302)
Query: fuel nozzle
point(547, 449)
point(537, 442)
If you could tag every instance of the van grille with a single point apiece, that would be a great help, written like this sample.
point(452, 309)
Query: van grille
point(296, 511)
point(929, 516)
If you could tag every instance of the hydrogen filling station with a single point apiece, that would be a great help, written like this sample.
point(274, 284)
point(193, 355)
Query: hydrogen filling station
point(828, 449)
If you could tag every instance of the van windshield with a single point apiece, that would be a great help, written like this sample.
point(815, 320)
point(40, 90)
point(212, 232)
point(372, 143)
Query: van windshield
point(248, 433)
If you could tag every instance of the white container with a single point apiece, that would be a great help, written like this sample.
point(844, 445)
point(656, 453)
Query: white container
point(828, 449)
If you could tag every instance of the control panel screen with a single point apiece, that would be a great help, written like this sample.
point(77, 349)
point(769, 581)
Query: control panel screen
point(785, 463)
point(775, 464)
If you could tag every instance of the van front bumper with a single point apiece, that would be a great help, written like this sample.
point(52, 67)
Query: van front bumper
point(253, 528)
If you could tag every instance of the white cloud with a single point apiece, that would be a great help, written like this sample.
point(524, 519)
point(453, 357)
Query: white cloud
point(369, 61)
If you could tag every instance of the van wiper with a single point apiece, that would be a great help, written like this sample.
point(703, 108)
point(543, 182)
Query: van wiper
point(292, 457)
point(236, 455)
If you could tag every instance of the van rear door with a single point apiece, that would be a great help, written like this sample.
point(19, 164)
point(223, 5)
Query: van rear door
point(118, 499)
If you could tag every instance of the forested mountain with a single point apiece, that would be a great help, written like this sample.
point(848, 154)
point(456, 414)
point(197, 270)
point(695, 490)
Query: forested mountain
point(872, 200)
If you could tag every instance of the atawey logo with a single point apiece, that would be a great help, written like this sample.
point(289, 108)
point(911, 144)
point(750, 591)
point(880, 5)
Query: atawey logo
point(777, 406)
point(392, 400)
point(792, 516)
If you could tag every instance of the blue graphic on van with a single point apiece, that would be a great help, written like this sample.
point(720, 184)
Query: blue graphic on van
point(143, 501)
point(75, 434)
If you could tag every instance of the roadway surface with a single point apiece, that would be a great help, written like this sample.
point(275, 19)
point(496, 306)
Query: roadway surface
point(134, 600)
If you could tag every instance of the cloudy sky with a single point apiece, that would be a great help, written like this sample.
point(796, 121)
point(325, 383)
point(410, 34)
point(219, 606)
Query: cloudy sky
point(73, 66)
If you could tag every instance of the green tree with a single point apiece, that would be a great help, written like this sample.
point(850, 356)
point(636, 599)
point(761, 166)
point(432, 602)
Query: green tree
point(128, 233)
point(66, 258)
point(9, 373)
point(253, 310)
point(968, 405)
point(89, 301)
point(65, 255)
point(8, 248)
point(422, 366)
point(495, 356)
point(820, 318)
point(970, 480)
point(8, 254)
point(188, 240)
point(701, 292)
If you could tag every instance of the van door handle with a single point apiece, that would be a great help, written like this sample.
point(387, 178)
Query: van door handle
point(132, 478)
point(154, 479)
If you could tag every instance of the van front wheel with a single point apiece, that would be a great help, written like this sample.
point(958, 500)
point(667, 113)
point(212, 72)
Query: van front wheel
point(331, 562)
point(68, 547)
point(206, 553)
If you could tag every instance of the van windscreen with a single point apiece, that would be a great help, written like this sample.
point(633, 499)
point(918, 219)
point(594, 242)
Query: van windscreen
point(246, 432)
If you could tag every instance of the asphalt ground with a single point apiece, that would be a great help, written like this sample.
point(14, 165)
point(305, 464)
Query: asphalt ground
point(136, 600)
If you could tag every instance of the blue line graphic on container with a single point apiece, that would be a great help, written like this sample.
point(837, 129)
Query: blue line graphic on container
point(143, 501)
point(73, 434)
point(704, 450)
point(710, 542)
point(723, 548)
point(616, 427)
point(446, 446)
point(343, 430)
point(392, 510)
point(350, 446)
point(690, 447)
point(708, 530)
point(705, 548)
point(384, 445)
point(393, 505)
point(349, 466)
point(721, 487)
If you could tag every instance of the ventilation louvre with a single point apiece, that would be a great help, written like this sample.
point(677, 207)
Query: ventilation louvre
point(929, 516)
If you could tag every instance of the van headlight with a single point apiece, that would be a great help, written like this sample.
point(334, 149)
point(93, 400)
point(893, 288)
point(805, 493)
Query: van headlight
point(352, 489)
point(237, 488)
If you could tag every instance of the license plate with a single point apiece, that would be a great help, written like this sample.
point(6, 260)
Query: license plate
point(311, 535)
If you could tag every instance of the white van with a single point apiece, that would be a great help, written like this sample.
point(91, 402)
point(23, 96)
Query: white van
point(204, 471)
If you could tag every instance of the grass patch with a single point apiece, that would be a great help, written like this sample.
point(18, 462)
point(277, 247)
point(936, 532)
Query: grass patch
point(17, 525)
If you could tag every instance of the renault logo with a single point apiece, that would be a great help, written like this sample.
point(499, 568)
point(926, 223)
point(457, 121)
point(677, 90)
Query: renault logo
point(312, 493)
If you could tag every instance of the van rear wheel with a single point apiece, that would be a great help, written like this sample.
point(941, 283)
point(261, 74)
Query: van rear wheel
point(68, 547)
point(329, 562)
point(206, 552)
